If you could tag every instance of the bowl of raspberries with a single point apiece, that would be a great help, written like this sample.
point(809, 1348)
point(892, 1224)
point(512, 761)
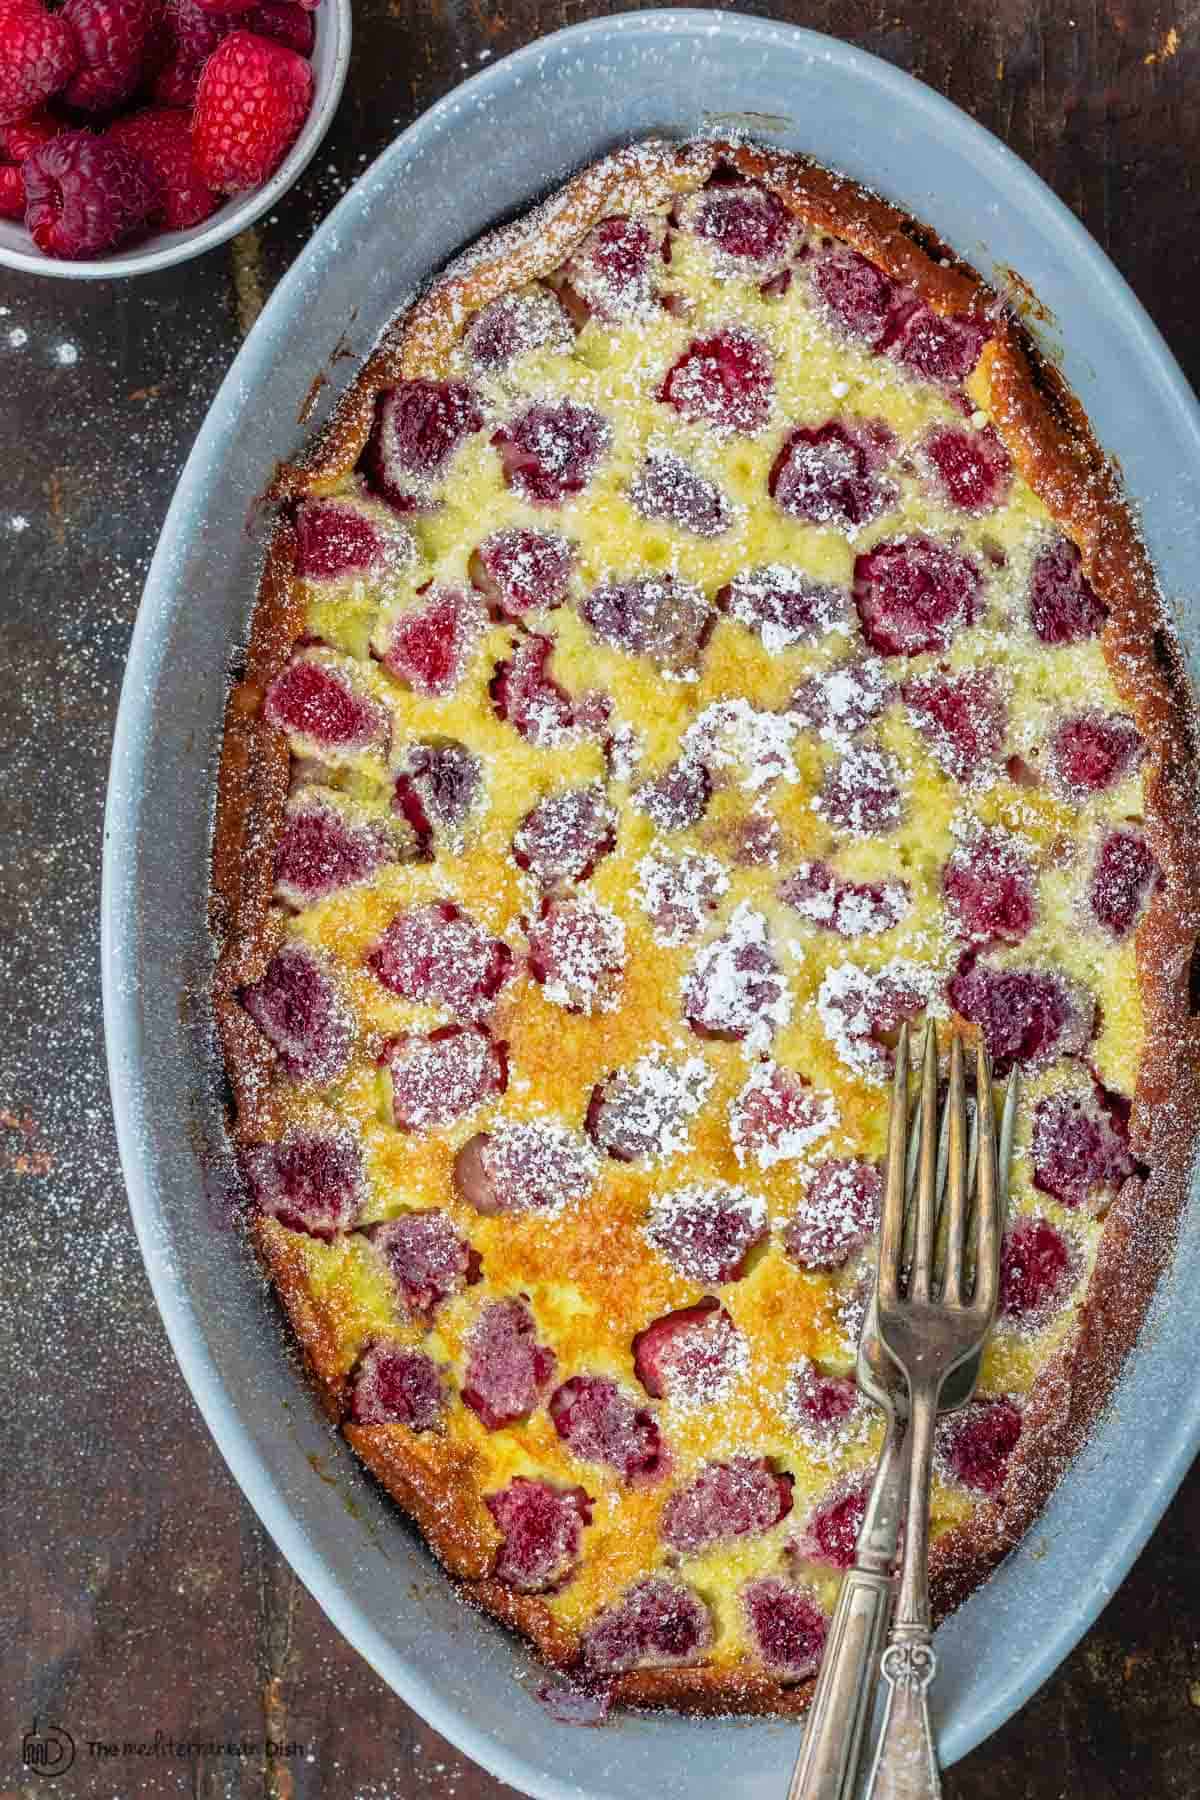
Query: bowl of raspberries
point(137, 133)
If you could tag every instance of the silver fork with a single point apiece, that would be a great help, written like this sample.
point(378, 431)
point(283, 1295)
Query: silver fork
point(843, 1701)
point(930, 1325)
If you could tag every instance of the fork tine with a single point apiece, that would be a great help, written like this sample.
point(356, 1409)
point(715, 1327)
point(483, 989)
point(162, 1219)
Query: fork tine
point(920, 1285)
point(987, 1257)
point(956, 1180)
point(891, 1225)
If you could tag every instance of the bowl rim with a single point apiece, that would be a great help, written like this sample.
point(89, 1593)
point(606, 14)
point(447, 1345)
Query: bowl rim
point(167, 248)
point(120, 973)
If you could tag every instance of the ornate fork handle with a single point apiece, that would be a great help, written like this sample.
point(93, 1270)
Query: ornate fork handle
point(905, 1765)
point(844, 1697)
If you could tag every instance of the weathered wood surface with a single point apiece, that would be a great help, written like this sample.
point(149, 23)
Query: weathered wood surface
point(138, 1592)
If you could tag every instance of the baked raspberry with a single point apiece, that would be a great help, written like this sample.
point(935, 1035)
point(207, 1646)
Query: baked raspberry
point(437, 791)
point(323, 849)
point(542, 1531)
point(963, 719)
point(549, 453)
point(1092, 751)
point(861, 793)
point(426, 1258)
point(163, 136)
point(518, 570)
point(735, 989)
point(976, 1443)
point(347, 534)
point(439, 1078)
point(913, 594)
point(508, 1371)
point(612, 273)
point(787, 1625)
point(939, 347)
point(741, 1498)
point(818, 1402)
point(784, 606)
point(601, 1424)
point(842, 701)
point(862, 1010)
point(677, 799)
point(1064, 607)
point(725, 381)
point(971, 470)
point(860, 297)
point(679, 892)
point(297, 1008)
point(666, 488)
point(566, 835)
point(317, 704)
point(1035, 1271)
point(515, 324)
point(84, 195)
point(777, 1115)
point(429, 644)
point(829, 474)
point(645, 1111)
point(310, 1181)
point(707, 1230)
point(253, 97)
point(659, 1623)
point(838, 1212)
point(1123, 877)
point(754, 840)
point(538, 707)
point(577, 953)
point(659, 616)
point(1080, 1150)
point(396, 1386)
point(990, 890)
point(532, 1165)
point(114, 38)
point(1027, 1016)
point(284, 21)
point(851, 908)
point(39, 54)
point(418, 426)
point(692, 1357)
point(437, 955)
point(743, 223)
point(831, 1534)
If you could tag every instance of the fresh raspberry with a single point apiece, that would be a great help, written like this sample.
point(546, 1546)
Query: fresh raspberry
point(176, 82)
point(195, 31)
point(85, 195)
point(39, 53)
point(114, 38)
point(283, 21)
point(16, 143)
point(253, 98)
point(162, 135)
point(225, 7)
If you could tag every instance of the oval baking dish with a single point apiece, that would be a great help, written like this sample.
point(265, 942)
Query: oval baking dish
point(419, 204)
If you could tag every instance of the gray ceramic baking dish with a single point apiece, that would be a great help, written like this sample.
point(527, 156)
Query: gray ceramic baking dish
point(482, 154)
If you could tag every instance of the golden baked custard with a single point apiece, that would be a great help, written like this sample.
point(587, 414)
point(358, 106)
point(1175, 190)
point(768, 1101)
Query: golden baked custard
point(704, 639)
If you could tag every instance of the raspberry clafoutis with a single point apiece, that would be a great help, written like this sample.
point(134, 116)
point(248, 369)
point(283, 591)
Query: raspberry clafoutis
point(704, 637)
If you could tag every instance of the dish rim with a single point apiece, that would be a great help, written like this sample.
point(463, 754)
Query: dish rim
point(246, 1463)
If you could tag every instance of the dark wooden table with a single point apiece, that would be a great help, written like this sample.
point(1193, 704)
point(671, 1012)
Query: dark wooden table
point(138, 1594)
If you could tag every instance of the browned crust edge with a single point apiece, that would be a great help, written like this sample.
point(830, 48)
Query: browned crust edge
point(1051, 441)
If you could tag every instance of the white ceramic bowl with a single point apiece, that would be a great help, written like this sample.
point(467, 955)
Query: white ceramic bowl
point(482, 154)
point(330, 59)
